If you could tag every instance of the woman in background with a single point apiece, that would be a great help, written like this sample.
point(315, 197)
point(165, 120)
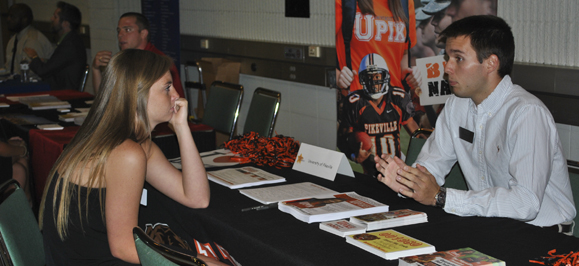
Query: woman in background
point(91, 202)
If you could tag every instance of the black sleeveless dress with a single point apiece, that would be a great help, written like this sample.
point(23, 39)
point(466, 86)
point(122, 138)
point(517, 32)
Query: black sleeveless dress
point(86, 242)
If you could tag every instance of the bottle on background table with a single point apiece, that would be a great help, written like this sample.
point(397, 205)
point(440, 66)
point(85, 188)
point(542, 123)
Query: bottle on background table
point(24, 68)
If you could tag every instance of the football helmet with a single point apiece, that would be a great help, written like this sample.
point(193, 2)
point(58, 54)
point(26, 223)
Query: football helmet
point(374, 76)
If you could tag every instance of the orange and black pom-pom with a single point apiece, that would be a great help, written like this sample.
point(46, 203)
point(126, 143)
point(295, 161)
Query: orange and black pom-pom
point(278, 151)
point(570, 259)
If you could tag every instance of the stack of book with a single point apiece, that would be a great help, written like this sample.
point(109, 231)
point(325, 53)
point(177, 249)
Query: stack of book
point(71, 116)
point(331, 207)
point(390, 219)
point(287, 192)
point(43, 102)
point(235, 178)
point(390, 244)
point(342, 228)
point(455, 257)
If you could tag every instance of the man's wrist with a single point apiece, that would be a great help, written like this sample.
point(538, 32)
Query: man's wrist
point(440, 198)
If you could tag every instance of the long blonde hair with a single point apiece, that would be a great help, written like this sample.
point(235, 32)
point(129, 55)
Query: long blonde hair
point(122, 97)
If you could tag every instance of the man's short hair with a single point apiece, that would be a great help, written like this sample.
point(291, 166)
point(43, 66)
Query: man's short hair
point(488, 35)
point(141, 21)
point(69, 13)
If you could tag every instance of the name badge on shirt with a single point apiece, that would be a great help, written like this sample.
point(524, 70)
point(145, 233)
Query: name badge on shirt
point(466, 134)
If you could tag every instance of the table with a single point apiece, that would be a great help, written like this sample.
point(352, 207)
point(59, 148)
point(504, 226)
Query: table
point(271, 237)
point(15, 86)
point(45, 146)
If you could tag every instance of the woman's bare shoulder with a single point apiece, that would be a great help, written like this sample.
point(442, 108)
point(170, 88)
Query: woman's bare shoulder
point(128, 153)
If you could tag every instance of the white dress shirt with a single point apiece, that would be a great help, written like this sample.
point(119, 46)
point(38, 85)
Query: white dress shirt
point(28, 37)
point(514, 166)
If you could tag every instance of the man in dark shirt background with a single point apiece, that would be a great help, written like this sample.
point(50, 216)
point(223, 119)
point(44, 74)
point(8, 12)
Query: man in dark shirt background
point(64, 70)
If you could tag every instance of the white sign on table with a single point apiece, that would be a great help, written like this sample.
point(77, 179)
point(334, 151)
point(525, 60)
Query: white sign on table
point(434, 88)
point(322, 162)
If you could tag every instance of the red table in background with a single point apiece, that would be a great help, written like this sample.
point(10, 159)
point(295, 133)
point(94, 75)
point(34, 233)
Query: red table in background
point(47, 145)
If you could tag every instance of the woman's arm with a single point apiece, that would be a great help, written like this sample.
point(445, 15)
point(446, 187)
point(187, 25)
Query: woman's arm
point(190, 186)
point(14, 148)
point(125, 176)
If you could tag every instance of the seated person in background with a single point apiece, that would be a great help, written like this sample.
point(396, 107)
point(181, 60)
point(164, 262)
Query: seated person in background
point(133, 33)
point(504, 138)
point(16, 155)
point(19, 20)
point(65, 68)
point(91, 202)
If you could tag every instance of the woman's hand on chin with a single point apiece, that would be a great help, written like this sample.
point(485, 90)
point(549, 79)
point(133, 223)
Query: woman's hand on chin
point(180, 113)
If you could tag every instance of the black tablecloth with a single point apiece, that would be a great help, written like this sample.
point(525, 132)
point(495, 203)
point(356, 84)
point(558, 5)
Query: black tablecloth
point(271, 237)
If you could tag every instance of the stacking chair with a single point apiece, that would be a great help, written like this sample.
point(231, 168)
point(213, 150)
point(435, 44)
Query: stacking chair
point(454, 179)
point(262, 112)
point(84, 77)
point(20, 237)
point(222, 109)
point(152, 253)
point(191, 85)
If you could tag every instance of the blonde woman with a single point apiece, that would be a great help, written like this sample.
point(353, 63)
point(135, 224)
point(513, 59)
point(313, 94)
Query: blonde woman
point(91, 202)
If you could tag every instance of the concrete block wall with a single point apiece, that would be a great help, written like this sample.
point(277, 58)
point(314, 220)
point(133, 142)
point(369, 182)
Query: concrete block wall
point(308, 112)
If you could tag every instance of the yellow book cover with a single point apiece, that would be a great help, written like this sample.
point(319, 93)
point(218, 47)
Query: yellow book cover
point(390, 244)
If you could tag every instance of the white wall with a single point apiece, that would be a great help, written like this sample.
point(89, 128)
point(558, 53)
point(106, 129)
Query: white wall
point(546, 32)
point(258, 20)
point(307, 112)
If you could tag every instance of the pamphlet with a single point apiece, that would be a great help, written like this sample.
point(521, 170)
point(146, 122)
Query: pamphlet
point(331, 207)
point(43, 102)
point(390, 244)
point(235, 178)
point(287, 192)
point(342, 228)
point(455, 257)
point(390, 219)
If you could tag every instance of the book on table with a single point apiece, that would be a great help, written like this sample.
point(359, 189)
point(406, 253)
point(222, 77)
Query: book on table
point(43, 102)
point(69, 117)
point(342, 228)
point(455, 257)
point(49, 105)
point(22, 119)
point(390, 244)
point(390, 219)
point(243, 177)
point(331, 207)
point(274, 194)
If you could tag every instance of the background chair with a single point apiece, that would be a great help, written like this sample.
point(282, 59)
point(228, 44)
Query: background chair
point(191, 68)
point(153, 254)
point(84, 77)
point(222, 109)
point(454, 179)
point(20, 237)
point(262, 112)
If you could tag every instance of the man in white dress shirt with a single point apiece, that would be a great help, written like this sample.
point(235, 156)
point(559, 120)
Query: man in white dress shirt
point(19, 20)
point(504, 138)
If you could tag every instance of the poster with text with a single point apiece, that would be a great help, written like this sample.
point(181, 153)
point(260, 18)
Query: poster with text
point(434, 88)
point(377, 43)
